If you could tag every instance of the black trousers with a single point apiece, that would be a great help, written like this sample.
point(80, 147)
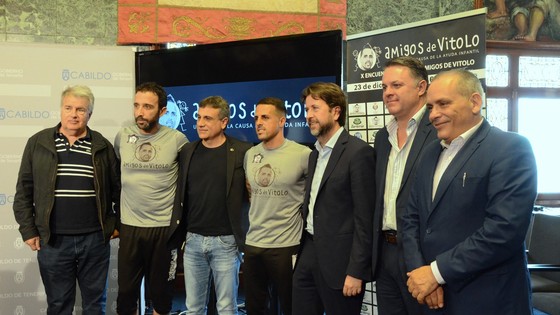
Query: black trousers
point(393, 297)
point(266, 269)
point(143, 253)
point(310, 293)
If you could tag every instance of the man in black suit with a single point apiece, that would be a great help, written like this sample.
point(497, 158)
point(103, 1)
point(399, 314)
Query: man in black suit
point(335, 259)
point(211, 196)
point(398, 146)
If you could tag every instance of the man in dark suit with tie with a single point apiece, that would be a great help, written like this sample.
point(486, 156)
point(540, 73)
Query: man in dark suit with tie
point(335, 260)
point(470, 207)
point(398, 146)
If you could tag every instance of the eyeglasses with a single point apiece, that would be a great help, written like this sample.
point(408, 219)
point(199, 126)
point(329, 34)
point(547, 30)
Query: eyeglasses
point(81, 111)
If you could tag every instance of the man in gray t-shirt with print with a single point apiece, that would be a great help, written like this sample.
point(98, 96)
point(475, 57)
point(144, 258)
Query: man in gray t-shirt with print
point(148, 152)
point(275, 170)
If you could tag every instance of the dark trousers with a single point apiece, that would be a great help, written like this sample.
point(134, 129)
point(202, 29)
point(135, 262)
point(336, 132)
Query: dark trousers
point(310, 293)
point(265, 269)
point(393, 297)
point(68, 258)
point(143, 252)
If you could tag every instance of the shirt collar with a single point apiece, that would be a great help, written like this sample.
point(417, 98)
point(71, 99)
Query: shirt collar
point(464, 137)
point(332, 141)
point(392, 125)
point(57, 133)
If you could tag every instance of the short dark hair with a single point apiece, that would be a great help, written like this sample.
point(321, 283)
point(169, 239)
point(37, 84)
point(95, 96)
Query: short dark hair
point(416, 66)
point(155, 88)
point(329, 92)
point(276, 102)
point(216, 102)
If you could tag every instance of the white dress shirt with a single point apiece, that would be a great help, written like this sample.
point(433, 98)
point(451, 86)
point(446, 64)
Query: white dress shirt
point(322, 161)
point(395, 167)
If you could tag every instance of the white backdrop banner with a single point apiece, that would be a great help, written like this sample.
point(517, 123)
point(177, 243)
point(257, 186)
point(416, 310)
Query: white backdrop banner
point(32, 77)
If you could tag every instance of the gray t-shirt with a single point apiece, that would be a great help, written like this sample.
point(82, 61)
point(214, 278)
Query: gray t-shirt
point(277, 179)
point(148, 174)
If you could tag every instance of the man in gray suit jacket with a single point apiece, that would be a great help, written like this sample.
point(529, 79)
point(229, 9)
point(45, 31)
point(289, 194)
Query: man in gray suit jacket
point(335, 259)
point(398, 146)
point(470, 207)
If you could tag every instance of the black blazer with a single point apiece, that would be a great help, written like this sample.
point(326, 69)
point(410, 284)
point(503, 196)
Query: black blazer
point(425, 134)
point(237, 197)
point(343, 211)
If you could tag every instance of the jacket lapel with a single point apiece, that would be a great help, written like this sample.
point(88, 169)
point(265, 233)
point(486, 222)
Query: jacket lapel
point(422, 135)
point(459, 161)
point(383, 147)
point(339, 147)
point(187, 161)
point(311, 171)
point(230, 163)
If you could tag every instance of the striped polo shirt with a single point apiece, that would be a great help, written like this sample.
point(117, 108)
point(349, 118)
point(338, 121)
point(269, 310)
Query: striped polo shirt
point(75, 209)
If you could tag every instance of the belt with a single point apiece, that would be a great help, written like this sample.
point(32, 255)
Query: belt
point(390, 236)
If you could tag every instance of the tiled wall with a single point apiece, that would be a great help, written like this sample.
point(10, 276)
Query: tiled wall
point(370, 15)
point(85, 22)
point(94, 22)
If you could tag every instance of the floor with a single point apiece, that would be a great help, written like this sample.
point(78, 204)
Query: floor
point(179, 306)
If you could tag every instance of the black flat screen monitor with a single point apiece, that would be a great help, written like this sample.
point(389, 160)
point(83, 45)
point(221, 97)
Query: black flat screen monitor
point(243, 72)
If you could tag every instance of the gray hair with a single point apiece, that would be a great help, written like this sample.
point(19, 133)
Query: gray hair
point(79, 91)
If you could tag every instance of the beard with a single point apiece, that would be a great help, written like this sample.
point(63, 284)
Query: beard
point(322, 129)
point(146, 124)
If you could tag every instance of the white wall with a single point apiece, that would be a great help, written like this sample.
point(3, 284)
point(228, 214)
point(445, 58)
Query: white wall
point(32, 76)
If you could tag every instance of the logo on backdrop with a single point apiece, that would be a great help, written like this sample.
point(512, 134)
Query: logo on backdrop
point(367, 58)
point(19, 277)
point(4, 199)
point(10, 158)
point(19, 310)
point(24, 114)
point(18, 243)
point(174, 113)
point(114, 274)
point(68, 74)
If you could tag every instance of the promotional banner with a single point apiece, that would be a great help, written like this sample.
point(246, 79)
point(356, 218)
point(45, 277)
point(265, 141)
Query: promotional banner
point(454, 41)
point(32, 77)
point(444, 43)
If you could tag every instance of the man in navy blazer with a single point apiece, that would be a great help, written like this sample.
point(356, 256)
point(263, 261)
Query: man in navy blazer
point(210, 199)
point(470, 208)
point(398, 146)
point(335, 259)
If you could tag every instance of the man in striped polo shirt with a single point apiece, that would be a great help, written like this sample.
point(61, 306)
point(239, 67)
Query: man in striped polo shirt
point(67, 190)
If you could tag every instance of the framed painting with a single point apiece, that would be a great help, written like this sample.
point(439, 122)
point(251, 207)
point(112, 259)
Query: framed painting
point(522, 20)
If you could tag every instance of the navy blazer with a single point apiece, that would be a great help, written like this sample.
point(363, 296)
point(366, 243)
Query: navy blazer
point(343, 211)
point(425, 134)
point(476, 225)
point(236, 193)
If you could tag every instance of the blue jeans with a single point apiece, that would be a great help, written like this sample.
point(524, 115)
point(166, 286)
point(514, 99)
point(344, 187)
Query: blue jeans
point(68, 258)
point(208, 257)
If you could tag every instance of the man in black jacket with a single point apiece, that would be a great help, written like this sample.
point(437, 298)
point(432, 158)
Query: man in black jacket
point(66, 195)
point(209, 209)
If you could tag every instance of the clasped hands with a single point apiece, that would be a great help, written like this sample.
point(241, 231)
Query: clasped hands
point(423, 286)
